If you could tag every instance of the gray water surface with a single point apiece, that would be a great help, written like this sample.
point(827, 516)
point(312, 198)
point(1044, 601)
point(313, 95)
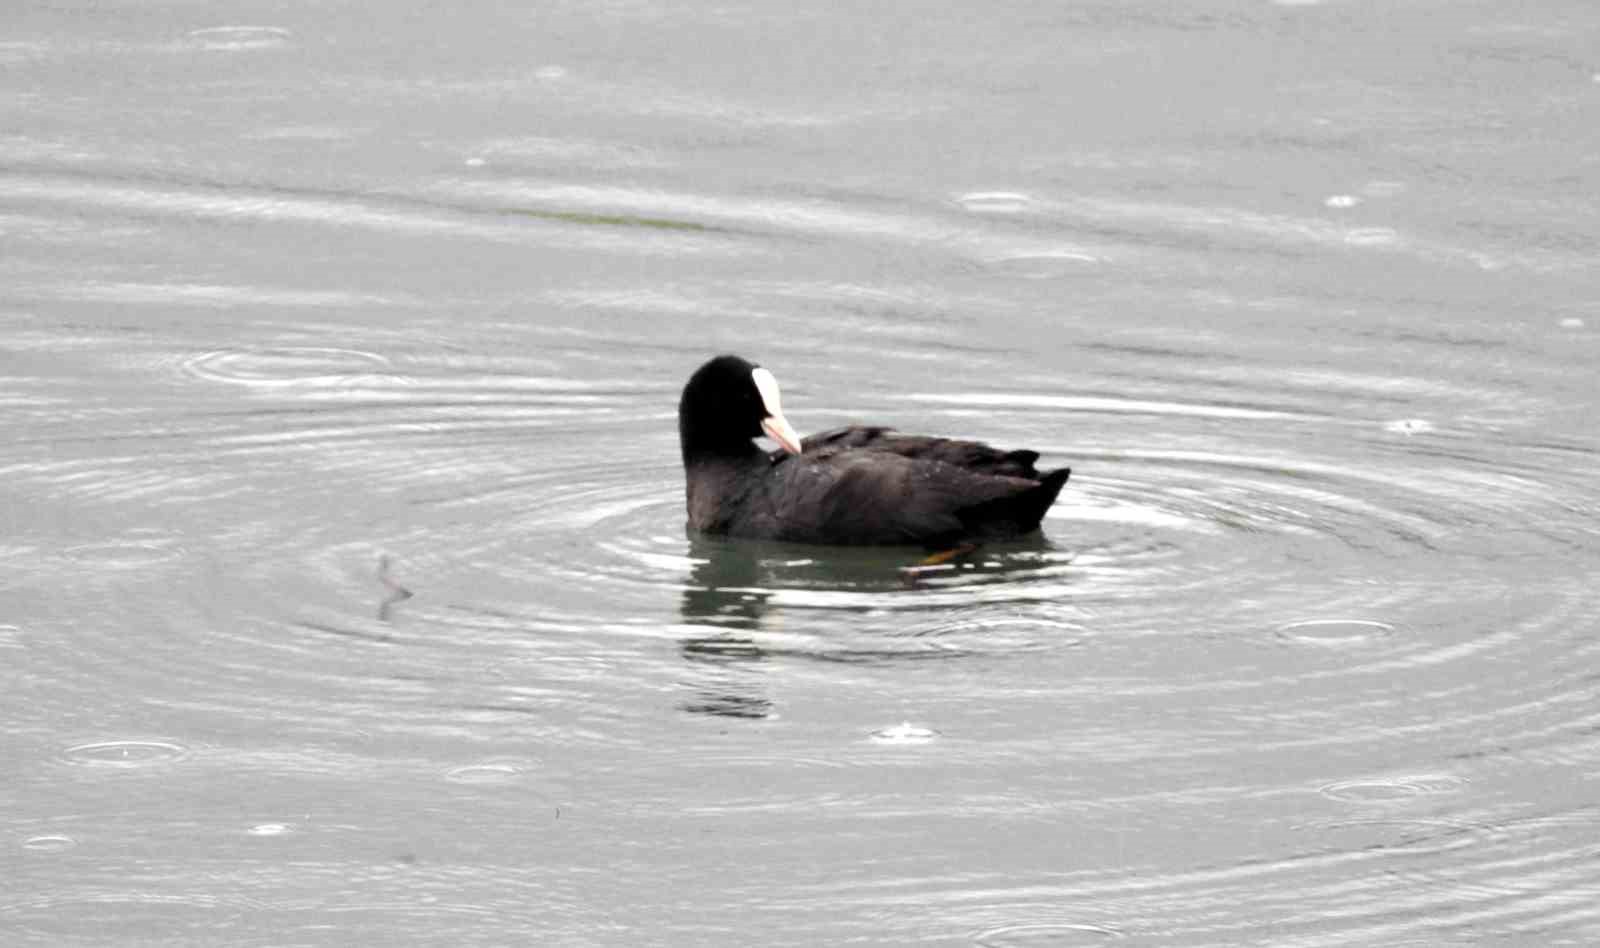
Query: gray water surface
point(306, 307)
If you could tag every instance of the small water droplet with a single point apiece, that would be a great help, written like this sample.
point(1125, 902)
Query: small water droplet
point(1342, 200)
point(125, 753)
point(240, 37)
point(904, 733)
point(1409, 426)
point(10, 636)
point(270, 829)
point(475, 162)
point(551, 73)
point(488, 773)
point(1334, 633)
point(1572, 322)
point(995, 202)
point(49, 844)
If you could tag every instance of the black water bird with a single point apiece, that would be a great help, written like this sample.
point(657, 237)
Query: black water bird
point(856, 485)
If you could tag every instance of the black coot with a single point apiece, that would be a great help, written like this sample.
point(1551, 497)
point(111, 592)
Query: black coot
point(856, 485)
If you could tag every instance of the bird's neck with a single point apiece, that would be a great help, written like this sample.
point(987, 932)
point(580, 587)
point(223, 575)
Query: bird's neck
point(716, 483)
point(701, 449)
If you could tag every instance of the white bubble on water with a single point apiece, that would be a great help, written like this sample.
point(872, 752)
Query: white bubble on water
point(904, 733)
point(271, 829)
point(994, 202)
point(1372, 237)
point(1409, 426)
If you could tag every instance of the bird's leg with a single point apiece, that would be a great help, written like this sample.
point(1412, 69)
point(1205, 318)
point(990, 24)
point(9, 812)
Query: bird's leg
point(944, 556)
point(937, 558)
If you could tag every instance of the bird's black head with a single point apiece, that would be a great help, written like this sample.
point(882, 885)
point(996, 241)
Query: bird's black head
point(727, 402)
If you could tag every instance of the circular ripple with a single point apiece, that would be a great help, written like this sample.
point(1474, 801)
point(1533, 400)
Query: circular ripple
point(1336, 633)
point(485, 774)
point(1415, 837)
point(240, 37)
point(124, 554)
point(1044, 264)
point(49, 844)
point(995, 202)
point(1001, 630)
point(1392, 789)
point(287, 365)
point(124, 753)
point(1042, 934)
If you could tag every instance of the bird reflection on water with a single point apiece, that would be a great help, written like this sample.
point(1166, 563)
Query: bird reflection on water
point(747, 602)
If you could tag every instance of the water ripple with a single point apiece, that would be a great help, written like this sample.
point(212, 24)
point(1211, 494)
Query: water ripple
point(287, 365)
point(1041, 934)
point(125, 754)
point(1389, 790)
point(239, 38)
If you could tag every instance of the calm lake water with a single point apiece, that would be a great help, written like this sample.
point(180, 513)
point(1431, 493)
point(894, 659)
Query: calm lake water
point(307, 305)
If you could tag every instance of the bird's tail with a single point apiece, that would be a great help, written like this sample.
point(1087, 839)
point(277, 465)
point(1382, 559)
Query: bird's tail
point(1017, 513)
